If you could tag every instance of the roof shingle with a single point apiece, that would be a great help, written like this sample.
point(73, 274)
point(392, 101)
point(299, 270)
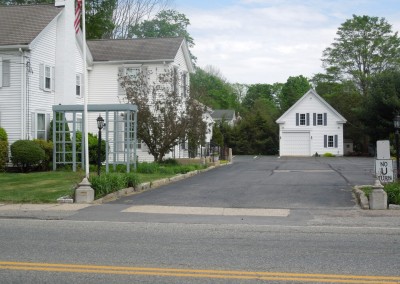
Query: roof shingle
point(135, 49)
point(21, 24)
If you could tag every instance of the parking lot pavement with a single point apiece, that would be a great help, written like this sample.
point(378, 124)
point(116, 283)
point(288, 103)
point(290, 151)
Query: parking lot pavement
point(267, 182)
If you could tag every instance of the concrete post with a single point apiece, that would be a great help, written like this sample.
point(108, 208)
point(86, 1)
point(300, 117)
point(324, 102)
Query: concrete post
point(84, 193)
point(230, 157)
point(378, 197)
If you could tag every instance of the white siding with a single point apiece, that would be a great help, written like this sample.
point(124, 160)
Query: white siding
point(10, 97)
point(310, 105)
point(43, 52)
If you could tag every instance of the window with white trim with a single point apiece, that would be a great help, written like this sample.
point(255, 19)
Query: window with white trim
point(302, 119)
point(330, 141)
point(41, 126)
point(320, 119)
point(46, 77)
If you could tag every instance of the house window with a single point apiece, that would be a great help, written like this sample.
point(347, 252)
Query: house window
point(132, 72)
point(79, 124)
point(5, 73)
point(139, 144)
point(78, 84)
point(330, 141)
point(46, 77)
point(320, 119)
point(302, 119)
point(41, 126)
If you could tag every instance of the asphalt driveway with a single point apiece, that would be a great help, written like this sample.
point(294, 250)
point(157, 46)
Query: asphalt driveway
point(267, 182)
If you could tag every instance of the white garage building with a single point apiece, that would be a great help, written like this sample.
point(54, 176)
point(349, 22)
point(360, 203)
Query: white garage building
point(311, 126)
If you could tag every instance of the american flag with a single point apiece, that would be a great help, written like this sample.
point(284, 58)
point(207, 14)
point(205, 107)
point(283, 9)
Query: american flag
point(78, 12)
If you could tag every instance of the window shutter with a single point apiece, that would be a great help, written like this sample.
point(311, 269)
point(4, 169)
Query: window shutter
point(297, 119)
point(41, 76)
point(308, 119)
point(53, 78)
point(144, 71)
point(120, 74)
point(1, 72)
point(325, 141)
point(314, 119)
point(33, 125)
point(325, 118)
point(336, 141)
point(6, 73)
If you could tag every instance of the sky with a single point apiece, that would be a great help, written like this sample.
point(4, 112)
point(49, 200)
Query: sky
point(267, 41)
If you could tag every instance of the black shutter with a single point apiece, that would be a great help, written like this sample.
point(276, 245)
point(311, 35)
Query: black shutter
point(314, 119)
point(325, 141)
point(325, 118)
point(336, 141)
point(297, 119)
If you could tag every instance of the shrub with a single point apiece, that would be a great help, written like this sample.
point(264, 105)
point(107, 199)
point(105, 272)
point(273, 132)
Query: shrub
point(25, 154)
point(393, 192)
point(170, 162)
point(147, 168)
point(47, 147)
point(328, 155)
point(3, 134)
point(111, 182)
point(93, 144)
point(3, 149)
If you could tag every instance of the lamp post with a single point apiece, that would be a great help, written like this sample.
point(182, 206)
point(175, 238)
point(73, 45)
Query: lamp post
point(396, 122)
point(100, 125)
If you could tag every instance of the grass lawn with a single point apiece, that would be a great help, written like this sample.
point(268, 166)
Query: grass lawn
point(40, 187)
point(46, 187)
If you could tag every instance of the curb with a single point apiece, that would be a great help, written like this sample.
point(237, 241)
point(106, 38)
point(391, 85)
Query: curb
point(151, 185)
point(362, 199)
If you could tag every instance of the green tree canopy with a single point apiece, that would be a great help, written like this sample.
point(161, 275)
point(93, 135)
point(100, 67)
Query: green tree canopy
point(212, 90)
point(257, 91)
point(167, 23)
point(292, 90)
point(99, 22)
point(382, 105)
point(364, 46)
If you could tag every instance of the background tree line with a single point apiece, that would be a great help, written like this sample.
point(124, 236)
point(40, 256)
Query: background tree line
point(361, 77)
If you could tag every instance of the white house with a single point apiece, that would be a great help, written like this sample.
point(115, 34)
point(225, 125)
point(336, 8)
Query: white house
point(226, 115)
point(40, 66)
point(311, 126)
point(151, 55)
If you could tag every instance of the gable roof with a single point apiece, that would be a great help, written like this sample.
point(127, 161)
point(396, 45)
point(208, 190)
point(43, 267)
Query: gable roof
point(219, 114)
point(312, 92)
point(144, 49)
point(21, 24)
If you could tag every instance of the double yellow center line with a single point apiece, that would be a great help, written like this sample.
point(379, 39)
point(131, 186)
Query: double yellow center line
point(194, 273)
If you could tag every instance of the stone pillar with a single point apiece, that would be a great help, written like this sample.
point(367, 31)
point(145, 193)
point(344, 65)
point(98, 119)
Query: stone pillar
point(84, 193)
point(230, 156)
point(378, 197)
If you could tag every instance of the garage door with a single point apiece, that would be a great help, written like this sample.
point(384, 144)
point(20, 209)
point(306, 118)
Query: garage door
point(295, 144)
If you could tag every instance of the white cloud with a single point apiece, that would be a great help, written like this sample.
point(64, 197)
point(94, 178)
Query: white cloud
point(261, 41)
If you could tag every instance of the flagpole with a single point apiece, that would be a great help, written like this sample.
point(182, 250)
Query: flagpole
point(85, 91)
